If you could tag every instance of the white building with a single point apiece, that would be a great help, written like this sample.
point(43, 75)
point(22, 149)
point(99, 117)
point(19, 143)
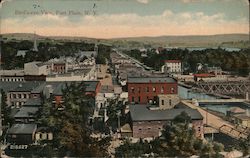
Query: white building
point(36, 68)
point(173, 66)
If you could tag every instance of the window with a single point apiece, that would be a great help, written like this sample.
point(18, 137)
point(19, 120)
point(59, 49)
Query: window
point(199, 129)
point(139, 129)
point(19, 95)
point(133, 99)
point(172, 90)
point(154, 89)
point(139, 90)
point(162, 102)
point(147, 89)
point(170, 102)
point(132, 89)
point(162, 89)
point(139, 99)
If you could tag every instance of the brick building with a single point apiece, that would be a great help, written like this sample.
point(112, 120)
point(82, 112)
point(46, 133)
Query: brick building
point(143, 90)
point(148, 123)
point(59, 67)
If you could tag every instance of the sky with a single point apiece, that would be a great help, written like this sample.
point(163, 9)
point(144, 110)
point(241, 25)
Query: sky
point(124, 18)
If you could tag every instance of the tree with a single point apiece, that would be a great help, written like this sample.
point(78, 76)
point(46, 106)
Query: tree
point(6, 110)
point(245, 145)
point(72, 136)
point(177, 139)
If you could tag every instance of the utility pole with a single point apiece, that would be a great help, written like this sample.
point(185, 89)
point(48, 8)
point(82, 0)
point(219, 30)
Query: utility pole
point(207, 116)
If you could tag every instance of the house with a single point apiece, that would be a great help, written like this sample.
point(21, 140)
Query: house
point(21, 53)
point(242, 120)
point(173, 66)
point(21, 134)
point(19, 92)
point(36, 68)
point(26, 115)
point(143, 90)
point(148, 123)
point(43, 134)
point(239, 116)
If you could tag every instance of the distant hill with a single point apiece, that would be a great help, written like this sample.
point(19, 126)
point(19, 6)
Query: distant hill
point(172, 41)
point(192, 40)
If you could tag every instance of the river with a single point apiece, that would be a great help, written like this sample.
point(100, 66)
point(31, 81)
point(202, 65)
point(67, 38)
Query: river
point(186, 93)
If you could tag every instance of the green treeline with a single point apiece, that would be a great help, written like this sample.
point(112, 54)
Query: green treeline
point(236, 62)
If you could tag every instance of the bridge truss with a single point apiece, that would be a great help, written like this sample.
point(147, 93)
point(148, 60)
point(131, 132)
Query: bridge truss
point(225, 88)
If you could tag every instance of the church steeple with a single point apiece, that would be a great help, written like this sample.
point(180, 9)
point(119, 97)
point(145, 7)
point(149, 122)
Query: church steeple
point(35, 44)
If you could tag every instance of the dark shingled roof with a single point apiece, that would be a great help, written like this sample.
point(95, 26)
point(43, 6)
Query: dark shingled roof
point(151, 80)
point(25, 86)
point(26, 112)
point(22, 129)
point(142, 113)
point(33, 102)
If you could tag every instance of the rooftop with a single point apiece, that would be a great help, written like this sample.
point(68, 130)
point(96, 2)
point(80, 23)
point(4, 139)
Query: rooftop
point(33, 102)
point(142, 113)
point(19, 86)
point(242, 116)
point(22, 129)
point(90, 86)
point(26, 112)
point(237, 110)
point(151, 80)
point(12, 72)
point(107, 89)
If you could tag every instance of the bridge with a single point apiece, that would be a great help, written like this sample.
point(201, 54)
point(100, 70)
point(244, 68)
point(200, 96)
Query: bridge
point(218, 123)
point(226, 88)
point(221, 100)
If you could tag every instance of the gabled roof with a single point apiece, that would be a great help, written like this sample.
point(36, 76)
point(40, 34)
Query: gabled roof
point(22, 129)
point(143, 113)
point(33, 102)
point(26, 112)
point(25, 86)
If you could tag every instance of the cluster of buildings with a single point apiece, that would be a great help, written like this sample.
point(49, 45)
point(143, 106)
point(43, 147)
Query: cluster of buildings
point(26, 99)
point(62, 69)
point(153, 103)
point(153, 99)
